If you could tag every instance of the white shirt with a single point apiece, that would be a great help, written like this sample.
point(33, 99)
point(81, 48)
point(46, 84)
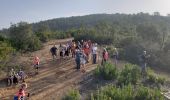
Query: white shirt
point(94, 50)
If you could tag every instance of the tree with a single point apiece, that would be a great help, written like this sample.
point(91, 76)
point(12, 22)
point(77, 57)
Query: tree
point(43, 32)
point(22, 37)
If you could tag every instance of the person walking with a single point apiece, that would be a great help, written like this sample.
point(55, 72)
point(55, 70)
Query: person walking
point(36, 64)
point(53, 51)
point(94, 53)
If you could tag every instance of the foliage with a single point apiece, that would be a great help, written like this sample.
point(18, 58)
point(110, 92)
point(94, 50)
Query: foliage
point(129, 75)
point(107, 71)
point(127, 92)
point(73, 95)
point(22, 37)
point(152, 78)
point(43, 33)
point(6, 50)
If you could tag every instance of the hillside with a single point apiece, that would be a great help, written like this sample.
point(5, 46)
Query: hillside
point(67, 23)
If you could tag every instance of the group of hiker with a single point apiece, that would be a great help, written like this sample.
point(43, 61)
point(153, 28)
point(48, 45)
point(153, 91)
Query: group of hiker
point(82, 51)
point(14, 77)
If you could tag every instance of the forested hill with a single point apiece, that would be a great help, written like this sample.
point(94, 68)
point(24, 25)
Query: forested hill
point(68, 23)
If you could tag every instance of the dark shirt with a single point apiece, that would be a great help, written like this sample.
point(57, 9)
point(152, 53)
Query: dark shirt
point(144, 58)
point(53, 50)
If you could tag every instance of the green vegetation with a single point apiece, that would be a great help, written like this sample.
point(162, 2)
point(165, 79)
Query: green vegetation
point(107, 71)
point(73, 95)
point(129, 75)
point(22, 37)
point(129, 84)
point(152, 78)
point(128, 92)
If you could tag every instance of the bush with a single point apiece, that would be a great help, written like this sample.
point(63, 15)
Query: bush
point(152, 78)
point(23, 38)
point(107, 71)
point(144, 93)
point(73, 95)
point(130, 74)
point(127, 92)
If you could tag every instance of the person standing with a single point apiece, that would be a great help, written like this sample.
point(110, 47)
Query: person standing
point(94, 53)
point(11, 76)
point(21, 74)
point(105, 56)
point(77, 58)
point(143, 60)
point(83, 58)
point(36, 64)
point(53, 51)
point(115, 56)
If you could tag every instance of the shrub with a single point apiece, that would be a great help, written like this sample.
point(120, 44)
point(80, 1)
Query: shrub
point(130, 74)
point(127, 92)
point(22, 37)
point(144, 93)
point(161, 80)
point(73, 95)
point(152, 78)
point(107, 71)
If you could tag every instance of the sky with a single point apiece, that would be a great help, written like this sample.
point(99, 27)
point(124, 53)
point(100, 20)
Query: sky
point(14, 11)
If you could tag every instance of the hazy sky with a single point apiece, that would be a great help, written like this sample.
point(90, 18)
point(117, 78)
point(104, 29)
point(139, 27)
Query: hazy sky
point(13, 11)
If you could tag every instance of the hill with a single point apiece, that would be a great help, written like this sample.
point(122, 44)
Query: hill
point(64, 24)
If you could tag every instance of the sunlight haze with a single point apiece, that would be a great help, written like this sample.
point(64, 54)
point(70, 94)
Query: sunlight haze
point(14, 11)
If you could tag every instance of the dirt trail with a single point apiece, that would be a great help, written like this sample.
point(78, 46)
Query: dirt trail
point(54, 79)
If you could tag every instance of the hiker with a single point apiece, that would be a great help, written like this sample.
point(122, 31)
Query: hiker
point(143, 60)
point(73, 48)
point(87, 52)
point(82, 42)
point(79, 44)
point(94, 53)
point(105, 56)
point(89, 43)
point(11, 77)
point(36, 64)
point(21, 75)
point(115, 56)
point(53, 51)
point(83, 60)
point(21, 94)
point(77, 58)
point(60, 49)
point(67, 50)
